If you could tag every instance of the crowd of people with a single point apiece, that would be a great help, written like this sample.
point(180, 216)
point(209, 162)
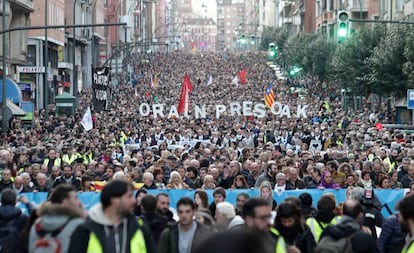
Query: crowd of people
point(330, 148)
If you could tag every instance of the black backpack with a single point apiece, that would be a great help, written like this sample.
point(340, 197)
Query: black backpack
point(9, 238)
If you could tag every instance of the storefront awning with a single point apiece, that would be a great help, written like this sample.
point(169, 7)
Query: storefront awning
point(15, 110)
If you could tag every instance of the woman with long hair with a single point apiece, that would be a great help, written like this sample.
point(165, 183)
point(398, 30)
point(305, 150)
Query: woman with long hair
point(266, 193)
point(394, 183)
point(200, 199)
point(240, 182)
point(176, 182)
point(291, 225)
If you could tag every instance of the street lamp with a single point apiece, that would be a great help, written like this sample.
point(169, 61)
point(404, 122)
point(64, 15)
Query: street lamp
point(74, 69)
point(4, 97)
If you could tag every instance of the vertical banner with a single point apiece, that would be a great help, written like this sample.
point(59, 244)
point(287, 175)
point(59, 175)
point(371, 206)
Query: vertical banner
point(101, 79)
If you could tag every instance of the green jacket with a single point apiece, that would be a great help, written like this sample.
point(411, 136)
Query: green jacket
point(169, 238)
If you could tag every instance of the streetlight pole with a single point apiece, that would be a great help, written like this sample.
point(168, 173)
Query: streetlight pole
point(46, 91)
point(4, 126)
point(75, 69)
point(116, 51)
point(93, 33)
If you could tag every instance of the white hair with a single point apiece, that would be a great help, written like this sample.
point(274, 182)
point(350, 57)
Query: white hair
point(174, 173)
point(226, 209)
point(25, 175)
point(148, 174)
point(119, 175)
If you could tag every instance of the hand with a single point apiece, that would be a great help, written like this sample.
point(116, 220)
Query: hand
point(24, 199)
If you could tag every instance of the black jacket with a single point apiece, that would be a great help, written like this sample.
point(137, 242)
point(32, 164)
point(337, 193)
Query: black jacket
point(361, 242)
point(73, 181)
point(301, 238)
point(100, 224)
point(156, 223)
point(169, 238)
point(392, 239)
point(11, 213)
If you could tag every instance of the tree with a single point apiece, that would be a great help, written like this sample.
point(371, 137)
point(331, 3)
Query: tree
point(386, 62)
point(408, 66)
point(312, 52)
point(349, 64)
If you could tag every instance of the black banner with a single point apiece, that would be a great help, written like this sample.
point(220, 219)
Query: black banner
point(101, 80)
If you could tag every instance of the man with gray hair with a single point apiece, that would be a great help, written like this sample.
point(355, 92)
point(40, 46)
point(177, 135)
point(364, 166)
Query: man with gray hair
point(27, 182)
point(226, 217)
point(148, 179)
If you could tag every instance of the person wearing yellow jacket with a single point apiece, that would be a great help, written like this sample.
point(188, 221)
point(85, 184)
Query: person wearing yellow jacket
point(111, 226)
point(71, 156)
point(52, 160)
point(324, 216)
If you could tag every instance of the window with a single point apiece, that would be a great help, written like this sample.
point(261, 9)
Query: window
point(31, 55)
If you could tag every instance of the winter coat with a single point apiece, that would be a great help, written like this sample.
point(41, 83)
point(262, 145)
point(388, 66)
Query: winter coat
point(391, 239)
point(303, 240)
point(156, 223)
point(101, 226)
point(169, 238)
point(346, 226)
point(9, 213)
point(51, 218)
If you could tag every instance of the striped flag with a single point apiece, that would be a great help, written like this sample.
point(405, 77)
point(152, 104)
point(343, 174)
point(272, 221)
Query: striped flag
point(193, 47)
point(154, 82)
point(269, 97)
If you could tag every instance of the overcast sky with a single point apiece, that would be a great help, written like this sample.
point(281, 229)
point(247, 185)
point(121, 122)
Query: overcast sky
point(210, 7)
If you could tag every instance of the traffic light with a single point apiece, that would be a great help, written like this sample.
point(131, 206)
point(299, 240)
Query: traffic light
point(272, 51)
point(294, 71)
point(343, 25)
point(243, 39)
point(253, 40)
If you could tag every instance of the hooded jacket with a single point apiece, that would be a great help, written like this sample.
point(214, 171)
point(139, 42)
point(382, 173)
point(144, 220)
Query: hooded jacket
point(9, 213)
point(110, 237)
point(346, 226)
point(236, 222)
point(51, 218)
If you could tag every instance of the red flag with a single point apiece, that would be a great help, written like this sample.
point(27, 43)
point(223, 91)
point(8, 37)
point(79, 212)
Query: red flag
point(243, 76)
point(186, 88)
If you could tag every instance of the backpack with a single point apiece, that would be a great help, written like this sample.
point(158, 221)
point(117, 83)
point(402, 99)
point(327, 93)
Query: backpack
point(9, 238)
point(329, 244)
point(47, 241)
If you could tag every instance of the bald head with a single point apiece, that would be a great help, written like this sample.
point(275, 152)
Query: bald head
point(18, 182)
point(352, 208)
